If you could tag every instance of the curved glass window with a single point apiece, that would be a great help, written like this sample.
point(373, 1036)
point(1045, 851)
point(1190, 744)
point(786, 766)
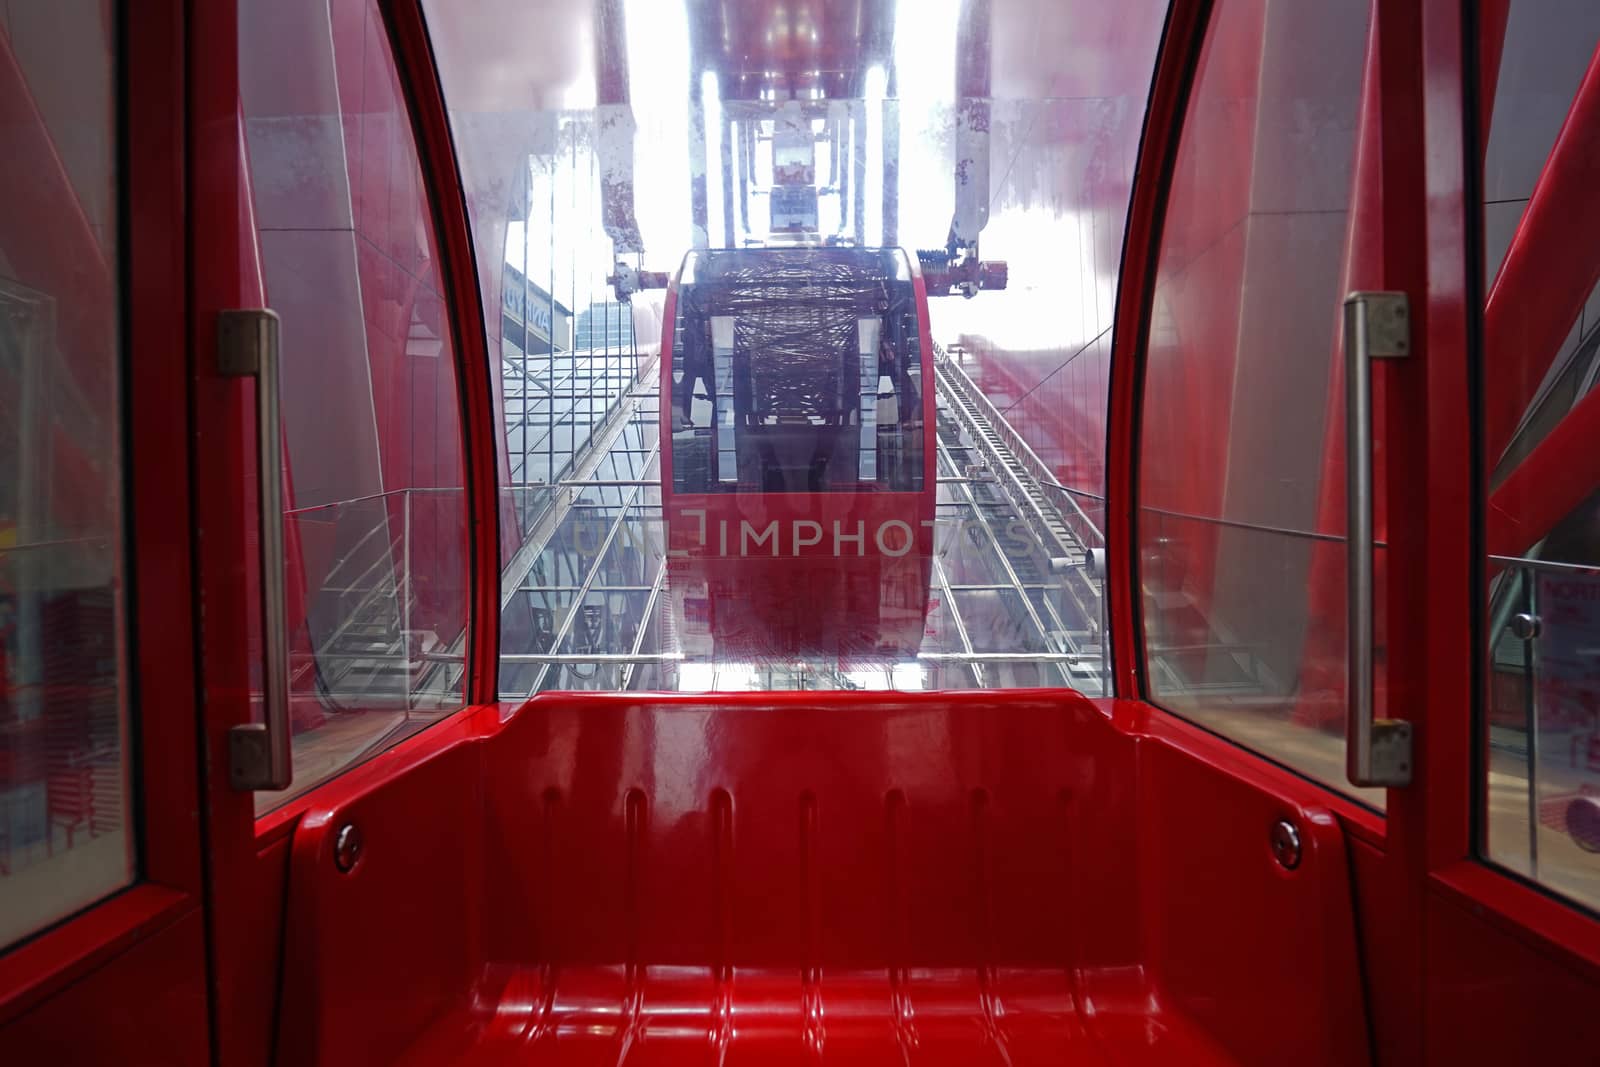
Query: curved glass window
point(1270, 222)
point(375, 515)
point(795, 371)
point(783, 468)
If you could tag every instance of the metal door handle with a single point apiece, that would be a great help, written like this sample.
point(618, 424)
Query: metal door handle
point(258, 752)
point(1376, 326)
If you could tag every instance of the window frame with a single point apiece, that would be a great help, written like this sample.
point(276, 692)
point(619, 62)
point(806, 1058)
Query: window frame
point(159, 656)
point(421, 93)
point(1190, 24)
point(1564, 923)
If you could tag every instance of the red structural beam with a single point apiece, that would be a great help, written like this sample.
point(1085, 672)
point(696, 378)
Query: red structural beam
point(1321, 700)
point(253, 283)
point(1557, 476)
point(1492, 18)
point(1549, 270)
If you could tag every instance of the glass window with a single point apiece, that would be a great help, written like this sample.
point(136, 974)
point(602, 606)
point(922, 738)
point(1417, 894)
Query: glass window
point(66, 828)
point(1540, 434)
point(1241, 485)
point(797, 471)
point(797, 371)
point(375, 513)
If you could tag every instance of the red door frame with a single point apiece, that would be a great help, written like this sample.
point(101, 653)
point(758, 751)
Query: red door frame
point(136, 961)
point(419, 80)
point(1390, 907)
point(248, 857)
point(1423, 852)
point(1460, 505)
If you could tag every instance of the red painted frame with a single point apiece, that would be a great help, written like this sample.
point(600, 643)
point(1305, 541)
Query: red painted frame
point(1181, 40)
point(241, 935)
point(1423, 854)
point(419, 79)
point(159, 560)
point(249, 856)
point(1465, 521)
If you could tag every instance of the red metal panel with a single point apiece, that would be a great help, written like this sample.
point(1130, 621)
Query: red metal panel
point(160, 491)
point(1495, 998)
point(49, 965)
point(1196, 947)
point(147, 1007)
point(408, 971)
point(1406, 266)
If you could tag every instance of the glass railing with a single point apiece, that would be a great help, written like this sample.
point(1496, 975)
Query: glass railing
point(377, 595)
point(1244, 629)
point(1543, 724)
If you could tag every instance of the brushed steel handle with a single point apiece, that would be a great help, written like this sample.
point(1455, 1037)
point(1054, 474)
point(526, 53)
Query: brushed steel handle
point(1376, 326)
point(259, 752)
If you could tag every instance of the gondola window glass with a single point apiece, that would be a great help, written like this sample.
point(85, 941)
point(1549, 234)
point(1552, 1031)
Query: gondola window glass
point(67, 829)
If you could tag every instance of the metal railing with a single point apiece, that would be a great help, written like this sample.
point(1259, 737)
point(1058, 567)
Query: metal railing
point(992, 428)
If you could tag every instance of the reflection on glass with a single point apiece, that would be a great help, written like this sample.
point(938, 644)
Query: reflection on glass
point(1241, 489)
point(1539, 435)
point(797, 371)
point(1544, 724)
point(66, 827)
point(375, 518)
point(802, 465)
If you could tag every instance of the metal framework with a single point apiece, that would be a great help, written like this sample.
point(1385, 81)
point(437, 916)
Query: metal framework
point(1049, 602)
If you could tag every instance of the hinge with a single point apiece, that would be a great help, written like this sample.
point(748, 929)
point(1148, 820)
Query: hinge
point(1388, 318)
point(243, 338)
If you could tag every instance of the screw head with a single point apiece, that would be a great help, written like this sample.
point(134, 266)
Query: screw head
point(1285, 842)
point(347, 847)
point(1526, 626)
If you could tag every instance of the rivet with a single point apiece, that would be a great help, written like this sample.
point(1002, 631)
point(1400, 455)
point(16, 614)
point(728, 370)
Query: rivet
point(1285, 841)
point(347, 847)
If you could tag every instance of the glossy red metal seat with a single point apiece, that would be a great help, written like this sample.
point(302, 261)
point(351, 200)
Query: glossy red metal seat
point(844, 878)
